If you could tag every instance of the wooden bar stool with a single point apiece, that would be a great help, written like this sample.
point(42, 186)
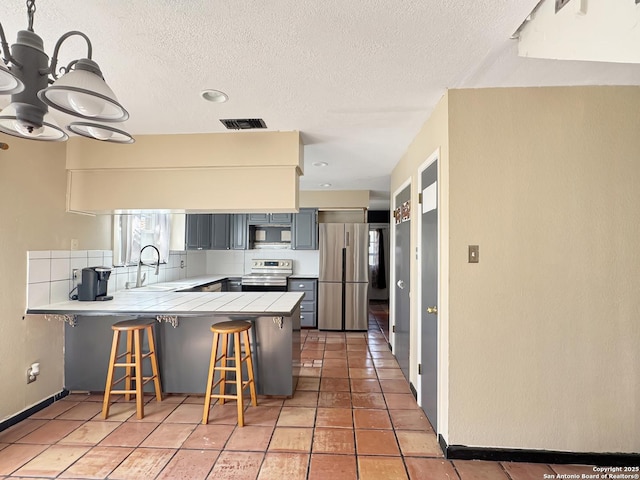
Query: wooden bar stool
point(133, 361)
point(235, 328)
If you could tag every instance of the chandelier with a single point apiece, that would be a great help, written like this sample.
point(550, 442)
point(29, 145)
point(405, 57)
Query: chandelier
point(34, 85)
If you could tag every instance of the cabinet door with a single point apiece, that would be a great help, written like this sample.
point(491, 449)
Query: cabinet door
point(220, 227)
point(191, 229)
point(305, 230)
point(281, 218)
point(239, 232)
point(258, 218)
point(198, 231)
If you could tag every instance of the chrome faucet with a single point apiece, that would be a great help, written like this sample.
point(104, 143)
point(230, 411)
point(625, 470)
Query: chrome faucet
point(140, 280)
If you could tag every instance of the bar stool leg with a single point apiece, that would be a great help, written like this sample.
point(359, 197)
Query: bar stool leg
point(128, 359)
point(112, 361)
point(238, 360)
point(251, 380)
point(154, 362)
point(207, 393)
point(139, 384)
point(223, 365)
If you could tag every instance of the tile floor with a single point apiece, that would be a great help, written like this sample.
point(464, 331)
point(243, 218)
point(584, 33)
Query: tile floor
point(352, 417)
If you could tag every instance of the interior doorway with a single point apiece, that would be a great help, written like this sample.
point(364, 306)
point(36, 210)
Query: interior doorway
point(401, 282)
point(379, 262)
point(428, 219)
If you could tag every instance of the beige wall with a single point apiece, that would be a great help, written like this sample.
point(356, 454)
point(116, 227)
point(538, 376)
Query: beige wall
point(32, 212)
point(433, 138)
point(543, 332)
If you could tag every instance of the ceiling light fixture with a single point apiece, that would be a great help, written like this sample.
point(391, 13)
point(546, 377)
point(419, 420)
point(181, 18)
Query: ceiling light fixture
point(80, 91)
point(325, 185)
point(215, 96)
point(320, 164)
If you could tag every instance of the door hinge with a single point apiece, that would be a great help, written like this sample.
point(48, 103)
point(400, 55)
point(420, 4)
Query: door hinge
point(419, 369)
point(420, 198)
point(393, 328)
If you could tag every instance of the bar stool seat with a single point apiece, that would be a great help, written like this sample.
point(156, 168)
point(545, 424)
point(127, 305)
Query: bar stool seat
point(133, 357)
point(230, 328)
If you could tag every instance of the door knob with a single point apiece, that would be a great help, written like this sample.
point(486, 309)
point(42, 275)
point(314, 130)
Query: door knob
point(433, 310)
point(400, 283)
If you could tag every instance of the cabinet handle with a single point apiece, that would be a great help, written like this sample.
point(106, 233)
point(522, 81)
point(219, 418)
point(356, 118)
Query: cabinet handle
point(301, 285)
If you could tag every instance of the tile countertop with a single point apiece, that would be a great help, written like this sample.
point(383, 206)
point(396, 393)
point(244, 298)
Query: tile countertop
point(164, 299)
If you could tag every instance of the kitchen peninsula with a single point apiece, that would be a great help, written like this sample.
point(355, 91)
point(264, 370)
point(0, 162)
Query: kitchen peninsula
point(183, 335)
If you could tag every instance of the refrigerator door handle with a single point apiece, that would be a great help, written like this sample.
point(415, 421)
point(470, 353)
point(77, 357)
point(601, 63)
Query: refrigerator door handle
point(347, 243)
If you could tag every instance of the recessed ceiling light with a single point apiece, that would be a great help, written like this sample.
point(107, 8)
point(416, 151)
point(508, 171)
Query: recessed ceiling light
point(319, 164)
point(325, 185)
point(215, 96)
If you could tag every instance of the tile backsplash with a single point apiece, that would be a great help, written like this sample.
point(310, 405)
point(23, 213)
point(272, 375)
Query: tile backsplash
point(50, 272)
point(239, 262)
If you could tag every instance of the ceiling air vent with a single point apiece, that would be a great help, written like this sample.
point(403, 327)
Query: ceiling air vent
point(243, 123)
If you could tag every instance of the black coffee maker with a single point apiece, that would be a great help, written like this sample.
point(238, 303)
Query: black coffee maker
point(94, 284)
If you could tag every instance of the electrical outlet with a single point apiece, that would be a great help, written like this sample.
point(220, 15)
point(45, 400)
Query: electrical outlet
point(32, 372)
point(74, 273)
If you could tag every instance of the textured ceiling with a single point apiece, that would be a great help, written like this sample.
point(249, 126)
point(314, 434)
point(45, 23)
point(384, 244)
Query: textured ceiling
point(357, 78)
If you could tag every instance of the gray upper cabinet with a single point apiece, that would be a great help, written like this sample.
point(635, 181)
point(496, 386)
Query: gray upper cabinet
point(304, 230)
point(267, 218)
point(205, 231)
point(198, 232)
point(220, 231)
point(239, 231)
point(283, 218)
point(258, 218)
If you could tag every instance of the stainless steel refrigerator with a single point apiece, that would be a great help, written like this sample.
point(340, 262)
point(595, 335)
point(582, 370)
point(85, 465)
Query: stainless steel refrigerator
point(344, 276)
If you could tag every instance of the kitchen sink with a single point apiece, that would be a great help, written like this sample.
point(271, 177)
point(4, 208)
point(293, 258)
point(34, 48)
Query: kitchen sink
point(154, 288)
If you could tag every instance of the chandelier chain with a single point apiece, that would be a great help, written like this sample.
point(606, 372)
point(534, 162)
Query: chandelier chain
point(31, 9)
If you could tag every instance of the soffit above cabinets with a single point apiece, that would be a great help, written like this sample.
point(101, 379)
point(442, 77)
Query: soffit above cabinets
point(238, 172)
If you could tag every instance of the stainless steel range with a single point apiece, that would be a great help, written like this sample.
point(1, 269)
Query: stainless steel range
point(268, 275)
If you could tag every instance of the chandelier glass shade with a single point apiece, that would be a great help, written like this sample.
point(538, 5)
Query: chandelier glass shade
point(80, 91)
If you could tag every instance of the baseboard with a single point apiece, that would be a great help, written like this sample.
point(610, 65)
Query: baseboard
point(414, 392)
point(10, 422)
point(461, 452)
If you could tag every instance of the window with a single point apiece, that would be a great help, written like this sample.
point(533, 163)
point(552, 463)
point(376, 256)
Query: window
point(133, 231)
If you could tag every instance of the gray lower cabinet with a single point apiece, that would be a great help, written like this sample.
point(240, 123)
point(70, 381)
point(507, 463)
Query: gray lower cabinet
point(308, 307)
point(304, 230)
point(233, 284)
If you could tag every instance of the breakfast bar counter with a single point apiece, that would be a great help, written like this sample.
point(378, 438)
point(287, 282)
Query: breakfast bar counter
point(183, 335)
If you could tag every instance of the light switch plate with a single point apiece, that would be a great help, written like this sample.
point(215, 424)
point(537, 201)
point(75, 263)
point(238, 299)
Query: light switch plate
point(474, 253)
